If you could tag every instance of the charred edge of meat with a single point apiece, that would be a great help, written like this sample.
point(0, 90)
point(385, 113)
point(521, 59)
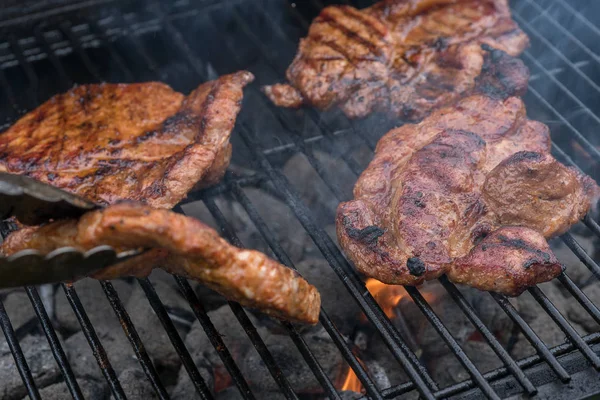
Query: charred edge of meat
point(502, 75)
point(546, 258)
point(367, 236)
point(415, 266)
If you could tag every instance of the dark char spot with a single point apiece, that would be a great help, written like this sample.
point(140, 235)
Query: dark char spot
point(415, 266)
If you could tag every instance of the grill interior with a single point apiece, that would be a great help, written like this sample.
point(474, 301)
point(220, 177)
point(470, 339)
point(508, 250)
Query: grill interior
point(185, 42)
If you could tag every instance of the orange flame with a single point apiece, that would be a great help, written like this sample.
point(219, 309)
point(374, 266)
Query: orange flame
point(351, 382)
point(387, 296)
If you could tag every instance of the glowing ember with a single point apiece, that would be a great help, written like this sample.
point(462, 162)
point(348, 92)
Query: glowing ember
point(387, 296)
point(351, 382)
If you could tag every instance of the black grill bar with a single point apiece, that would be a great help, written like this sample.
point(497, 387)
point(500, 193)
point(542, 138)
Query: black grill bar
point(55, 346)
point(576, 248)
point(17, 352)
point(336, 336)
point(562, 323)
point(348, 276)
point(489, 336)
point(215, 338)
point(133, 337)
point(580, 297)
point(240, 314)
point(94, 342)
point(451, 342)
point(176, 340)
point(66, 30)
point(532, 337)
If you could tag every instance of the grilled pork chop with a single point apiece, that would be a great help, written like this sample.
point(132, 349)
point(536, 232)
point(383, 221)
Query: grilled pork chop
point(403, 57)
point(471, 191)
point(140, 141)
point(182, 245)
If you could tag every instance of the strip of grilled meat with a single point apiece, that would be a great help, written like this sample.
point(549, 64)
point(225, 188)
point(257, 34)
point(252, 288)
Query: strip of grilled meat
point(402, 57)
point(140, 141)
point(181, 245)
point(471, 191)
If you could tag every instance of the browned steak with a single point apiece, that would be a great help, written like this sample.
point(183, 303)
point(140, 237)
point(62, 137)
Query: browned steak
point(140, 141)
point(402, 57)
point(471, 191)
point(183, 246)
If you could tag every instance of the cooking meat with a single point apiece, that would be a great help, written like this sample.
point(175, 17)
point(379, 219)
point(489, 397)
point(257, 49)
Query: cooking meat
point(403, 57)
point(181, 245)
point(471, 191)
point(140, 141)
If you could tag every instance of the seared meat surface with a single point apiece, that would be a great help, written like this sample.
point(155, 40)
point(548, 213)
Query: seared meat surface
point(471, 191)
point(181, 245)
point(402, 57)
point(140, 141)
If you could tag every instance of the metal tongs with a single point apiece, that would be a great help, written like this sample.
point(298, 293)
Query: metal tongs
point(33, 203)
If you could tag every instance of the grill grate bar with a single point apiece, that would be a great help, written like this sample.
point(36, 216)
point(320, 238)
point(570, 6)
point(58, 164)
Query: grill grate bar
point(240, 314)
point(94, 342)
point(55, 346)
point(568, 34)
point(348, 276)
point(562, 323)
point(336, 336)
point(579, 16)
point(66, 29)
point(451, 342)
point(511, 365)
point(592, 225)
point(65, 82)
point(17, 352)
point(576, 248)
point(560, 55)
point(580, 296)
point(133, 337)
point(176, 340)
point(114, 55)
point(215, 338)
point(532, 337)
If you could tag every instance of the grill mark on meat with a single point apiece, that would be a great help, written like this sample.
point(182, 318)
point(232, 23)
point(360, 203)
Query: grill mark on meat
point(367, 22)
point(415, 266)
point(138, 135)
point(458, 197)
point(350, 34)
point(439, 40)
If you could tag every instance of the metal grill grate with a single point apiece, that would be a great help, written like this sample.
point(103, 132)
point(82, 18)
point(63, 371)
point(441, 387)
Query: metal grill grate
point(63, 50)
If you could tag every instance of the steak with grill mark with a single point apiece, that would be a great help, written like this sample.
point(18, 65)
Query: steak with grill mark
point(140, 141)
point(471, 191)
point(402, 57)
point(184, 246)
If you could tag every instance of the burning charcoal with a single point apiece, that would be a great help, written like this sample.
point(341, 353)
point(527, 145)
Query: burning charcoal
point(349, 395)
point(233, 394)
point(576, 270)
point(530, 309)
point(311, 188)
point(293, 366)
point(41, 363)
point(19, 310)
point(148, 326)
point(547, 331)
point(185, 388)
point(447, 370)
point(577, 314)
point(377, 374)
point(90, 389)
point(334, 295)
point(94, 302)
point(136, 385)
point(114, 341)
point(455, 320)
point(206, 358)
